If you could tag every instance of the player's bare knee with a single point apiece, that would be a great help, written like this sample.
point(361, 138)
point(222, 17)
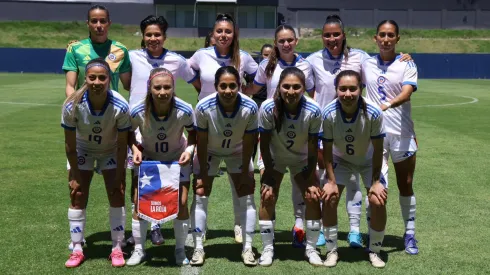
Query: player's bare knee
point(374, 202)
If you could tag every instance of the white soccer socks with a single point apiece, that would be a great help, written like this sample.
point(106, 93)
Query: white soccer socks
point(200, 216)
point(248, 217)
point(298, 205)
point(376, 240)
point(353, 204)
point(117, 221)
point(180, 230)
point(76, 220)
point(267, 234)
point(330, 233)
point(312, 232)
point(139, 228)
point(407, 205)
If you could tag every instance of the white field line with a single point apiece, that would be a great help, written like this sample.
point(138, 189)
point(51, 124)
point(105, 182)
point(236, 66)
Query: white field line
point(473, 100)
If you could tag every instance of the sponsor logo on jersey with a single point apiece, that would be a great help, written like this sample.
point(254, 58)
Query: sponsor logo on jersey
point(81, 160)
point(111, 162)
point(349, 138)
point(291, 126)
point(161, 136)
point(161, 129)
point(381, 80)
point(291, 134)
point(155, 65)
point(97, 122)
point(97, 130)
point(228, 125)
point(336, 71)
point(111, 57)
point(349, 131)
point(227, 133)
point(87, 58)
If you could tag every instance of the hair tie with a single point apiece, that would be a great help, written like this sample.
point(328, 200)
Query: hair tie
point(160, 73)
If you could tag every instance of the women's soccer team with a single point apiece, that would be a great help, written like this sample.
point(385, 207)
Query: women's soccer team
point(314, 123)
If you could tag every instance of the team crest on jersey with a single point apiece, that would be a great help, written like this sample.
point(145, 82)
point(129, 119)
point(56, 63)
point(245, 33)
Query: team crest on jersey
point(81, 160)
point(111, 57)
point(381, 80)
point(97, 130)
point(291, 134)
point(349, 138)
point(162, 136)
point(227, 133)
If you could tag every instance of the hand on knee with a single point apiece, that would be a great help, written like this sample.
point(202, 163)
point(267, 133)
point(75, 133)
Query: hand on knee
point(374, 201)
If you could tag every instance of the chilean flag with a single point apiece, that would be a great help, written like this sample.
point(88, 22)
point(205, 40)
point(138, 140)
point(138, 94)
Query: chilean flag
point(158, 191)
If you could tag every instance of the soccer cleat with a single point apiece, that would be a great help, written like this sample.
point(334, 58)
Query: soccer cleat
point(117, 258)
point(238, 234)
point(76, 259)
point(321, 239)
point(299, 240)
point(130, 241)
point(70, 246)
point(136, 258)
point(313, 257)
point(355, 239)
point(267, 257)
point(156, 237)
point(376, 260)
point(249, 257)
point(198, 257)
point(332, 258)
point(180, 257)
point(411, 244)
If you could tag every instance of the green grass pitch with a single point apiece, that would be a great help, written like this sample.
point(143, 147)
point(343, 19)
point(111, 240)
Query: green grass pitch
point(451, 184)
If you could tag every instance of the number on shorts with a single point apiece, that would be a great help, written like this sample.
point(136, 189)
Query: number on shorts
point(382, 93)
point(291, 143)
point(226, 143)
point(95, 138)
point(349, 148)
point(161, 147)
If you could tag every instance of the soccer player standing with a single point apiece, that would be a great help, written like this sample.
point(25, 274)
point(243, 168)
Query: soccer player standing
point(390, 84)
point(161, 120)
point(96, 122)
point(353, 144)
point(226, 122)
point(289, 127)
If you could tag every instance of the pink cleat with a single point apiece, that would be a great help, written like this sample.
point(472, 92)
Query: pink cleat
point(117, 257)
point(76, 259)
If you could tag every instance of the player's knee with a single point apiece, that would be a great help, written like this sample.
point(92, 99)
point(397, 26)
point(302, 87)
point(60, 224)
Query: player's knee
point(374, 201)
point(331, 202)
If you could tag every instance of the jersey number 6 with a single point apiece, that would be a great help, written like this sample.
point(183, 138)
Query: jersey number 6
point(349, 149)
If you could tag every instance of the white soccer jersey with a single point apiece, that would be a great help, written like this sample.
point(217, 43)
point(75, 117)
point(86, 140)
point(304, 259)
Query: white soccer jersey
point(142, 63)
point(325, 68)
point(207, 61)
point(291, 143)
point(225, 131)
point(352, 139)
point(163, 139)
point(384, 81)
point(271, 83)
point(97, 129)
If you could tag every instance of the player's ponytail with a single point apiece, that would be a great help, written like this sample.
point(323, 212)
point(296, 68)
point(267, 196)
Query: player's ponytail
point(275, 54)
point(359, 84)
point(278, 110)
point(149, 98)
point(77, 96)
point(335, 19)
point(235, 45)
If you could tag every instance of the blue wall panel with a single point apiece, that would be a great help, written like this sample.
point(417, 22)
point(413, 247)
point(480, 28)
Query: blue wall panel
point(468, 66)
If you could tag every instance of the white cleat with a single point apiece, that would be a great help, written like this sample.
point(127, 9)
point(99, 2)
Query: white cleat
point(238, 234)
point(198, 257)
point(249, 257)
point(136, 258)
point(376, 260)
point(313, 257)
point(180, 257)
point(267, 257)
point(332, 258)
